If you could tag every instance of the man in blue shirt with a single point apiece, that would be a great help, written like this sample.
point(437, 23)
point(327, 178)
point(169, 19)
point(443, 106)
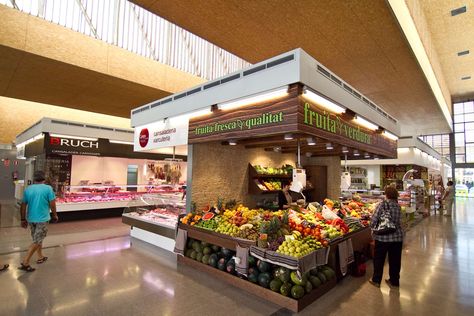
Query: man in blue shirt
point(38, 199)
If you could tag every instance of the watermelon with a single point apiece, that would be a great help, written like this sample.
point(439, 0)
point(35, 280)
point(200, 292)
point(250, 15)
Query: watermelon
point(199, 256)
point(263, 266)
point(230, 266)
point(253, 277)
point(285, 289)
point(314, 272)
point(207, 251)
point(329, 273)
point(204, 244)
point(227, 252)
point(322, 277)
point(297, 292)
point(193, 254)
point(205, 259)
point(283, 274)
point(309, 287)
point(190, 242)
point(215, 248)
point(188, 253)
point(315, 281)
point(252, 270)
point(213, 260)
point(252, 261)
point(221, 264)
point(264, 279)
point(297, 280)
point(275, 285)
point(207, 216)
point(197, 246)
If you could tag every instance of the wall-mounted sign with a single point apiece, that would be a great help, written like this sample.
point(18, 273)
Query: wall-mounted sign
point(64, 145)
point(168, 133)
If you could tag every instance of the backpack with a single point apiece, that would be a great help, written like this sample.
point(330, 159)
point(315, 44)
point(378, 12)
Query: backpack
point(385, 224)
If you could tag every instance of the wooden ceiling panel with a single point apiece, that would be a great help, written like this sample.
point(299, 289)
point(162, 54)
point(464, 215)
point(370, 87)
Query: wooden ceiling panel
point(360, 41)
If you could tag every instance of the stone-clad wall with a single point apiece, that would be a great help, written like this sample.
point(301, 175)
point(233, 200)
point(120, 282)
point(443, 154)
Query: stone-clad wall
point(222, 171)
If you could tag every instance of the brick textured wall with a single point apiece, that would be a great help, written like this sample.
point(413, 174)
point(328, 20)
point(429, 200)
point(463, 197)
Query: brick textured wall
point(222, 171)
point(333, 164)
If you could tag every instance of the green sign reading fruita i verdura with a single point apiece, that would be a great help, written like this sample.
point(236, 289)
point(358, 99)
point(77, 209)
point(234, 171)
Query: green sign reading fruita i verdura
point(249, 123)
point(334, 124)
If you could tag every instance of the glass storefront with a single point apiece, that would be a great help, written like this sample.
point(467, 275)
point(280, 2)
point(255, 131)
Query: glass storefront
point(464, 182)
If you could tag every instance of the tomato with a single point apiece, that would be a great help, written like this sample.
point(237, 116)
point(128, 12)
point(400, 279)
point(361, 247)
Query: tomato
point(325, 243)
point(307, 231)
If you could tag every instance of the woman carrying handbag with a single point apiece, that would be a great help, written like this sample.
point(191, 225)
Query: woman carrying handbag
point(388, 236)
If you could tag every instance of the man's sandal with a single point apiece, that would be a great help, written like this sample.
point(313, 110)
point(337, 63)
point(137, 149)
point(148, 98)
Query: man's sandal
point(27, 268)
point(4, 268)
point(42, 260)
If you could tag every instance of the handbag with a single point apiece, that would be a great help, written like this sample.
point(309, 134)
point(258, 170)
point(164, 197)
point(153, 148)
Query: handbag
point(385, 224)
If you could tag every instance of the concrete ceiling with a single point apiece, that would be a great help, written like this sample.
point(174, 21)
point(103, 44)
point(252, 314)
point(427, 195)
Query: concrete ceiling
point(360, 41)
point(450, 36)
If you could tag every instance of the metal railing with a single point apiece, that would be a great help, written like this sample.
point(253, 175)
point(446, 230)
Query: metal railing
point(126, 25)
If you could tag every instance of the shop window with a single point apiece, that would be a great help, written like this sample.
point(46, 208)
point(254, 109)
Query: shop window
point(469, 152)
point(460, 159)
point(459, 118)
point(469, 117)
point(459, 127)
point(459, 139)
point(469, 107)
point(458, 108)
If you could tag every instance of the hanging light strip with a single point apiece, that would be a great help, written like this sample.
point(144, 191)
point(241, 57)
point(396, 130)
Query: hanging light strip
point(323, 102)
point(258, 98)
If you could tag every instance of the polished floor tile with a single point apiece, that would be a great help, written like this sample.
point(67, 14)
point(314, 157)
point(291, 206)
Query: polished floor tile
point(115, 276)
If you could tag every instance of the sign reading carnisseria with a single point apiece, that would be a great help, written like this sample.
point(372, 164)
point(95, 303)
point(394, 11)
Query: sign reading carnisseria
point(240, 124)
point(334, 124)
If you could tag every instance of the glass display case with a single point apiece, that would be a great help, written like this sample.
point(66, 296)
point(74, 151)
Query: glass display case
point(101, 196)
point(153, 217)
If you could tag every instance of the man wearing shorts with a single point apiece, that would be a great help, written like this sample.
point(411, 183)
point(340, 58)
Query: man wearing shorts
point(38, 199)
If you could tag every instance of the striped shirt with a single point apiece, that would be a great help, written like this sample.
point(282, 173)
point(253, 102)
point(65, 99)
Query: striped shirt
point(396, 215)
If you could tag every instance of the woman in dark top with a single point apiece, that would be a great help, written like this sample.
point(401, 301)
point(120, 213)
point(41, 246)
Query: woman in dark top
point(390, 244)
point(284, 196)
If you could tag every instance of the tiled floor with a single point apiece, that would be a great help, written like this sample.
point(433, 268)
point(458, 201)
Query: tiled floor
point(112, 277)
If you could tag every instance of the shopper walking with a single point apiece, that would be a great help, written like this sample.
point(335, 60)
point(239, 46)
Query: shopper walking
point(448, 198)
point(390, 243)
point(38, 200)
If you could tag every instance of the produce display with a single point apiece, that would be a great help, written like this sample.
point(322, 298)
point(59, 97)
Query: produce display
point(268, 185)
point(284, 170)
point(162, 216)
point(295, 232)
point(276, 278)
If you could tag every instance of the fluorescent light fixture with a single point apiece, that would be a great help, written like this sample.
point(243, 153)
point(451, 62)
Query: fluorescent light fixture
point(366, 155)
point(32, 139)
point(356, 153)
point(311, 141)
point(232, 142)
point(390, 135)
point(288, 137)
point(329, 146)
point(345, 150)
point(365, 123)
point(258, 98)
point(323, 102)
point(92, 139)
point(120, 142)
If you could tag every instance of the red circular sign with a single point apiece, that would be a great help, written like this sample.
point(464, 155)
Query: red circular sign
point(144, 137)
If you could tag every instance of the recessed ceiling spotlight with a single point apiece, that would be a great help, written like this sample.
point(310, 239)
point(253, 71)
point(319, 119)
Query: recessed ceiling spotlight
point(345, 150)
point(458, 11)
point(311, 141)
point(376, 157)
point(466, 78)
point(329, 146)
point(308, 154)
point(356, 153)
point(288, 137)
point(232, 142)
point(277, 149)
point(366, 155)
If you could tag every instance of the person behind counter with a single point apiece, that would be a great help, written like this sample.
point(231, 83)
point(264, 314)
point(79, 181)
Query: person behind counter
point(284, 196)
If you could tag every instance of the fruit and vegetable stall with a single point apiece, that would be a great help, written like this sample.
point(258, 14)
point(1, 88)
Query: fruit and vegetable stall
point(290, 253)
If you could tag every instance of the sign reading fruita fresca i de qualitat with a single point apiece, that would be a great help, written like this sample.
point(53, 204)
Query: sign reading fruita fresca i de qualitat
point(324, 121)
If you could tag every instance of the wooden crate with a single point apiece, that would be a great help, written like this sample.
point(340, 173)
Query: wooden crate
point(266, 294)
